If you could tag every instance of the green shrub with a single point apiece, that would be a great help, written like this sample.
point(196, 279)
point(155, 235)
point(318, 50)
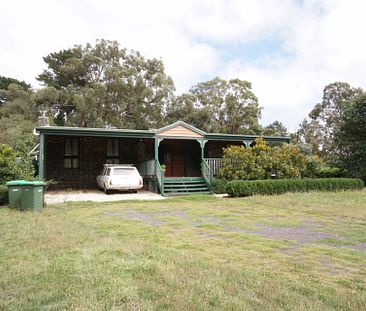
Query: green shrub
point(312, 167)
point(219, 185)
point(4, 200)
point(10, 169)
point(331, 172)
point(262, 162)
point(243, 188)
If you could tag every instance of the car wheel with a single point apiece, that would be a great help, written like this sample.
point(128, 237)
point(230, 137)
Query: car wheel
point(105, 190)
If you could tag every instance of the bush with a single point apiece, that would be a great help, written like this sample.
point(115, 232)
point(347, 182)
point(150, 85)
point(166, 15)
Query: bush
point(219, 185)
point(331, 172)
point(243, 188)
point(262, 162)
point(10, 169)
point(312, 167)
point(4, 199)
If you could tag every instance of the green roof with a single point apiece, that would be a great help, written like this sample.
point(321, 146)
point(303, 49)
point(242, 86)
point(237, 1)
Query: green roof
point(87, 131)
point(129, 133)
point(240, 137)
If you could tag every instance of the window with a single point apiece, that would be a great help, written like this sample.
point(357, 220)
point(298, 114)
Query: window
point(71, 154)
point(124, 171)
point(112, 151)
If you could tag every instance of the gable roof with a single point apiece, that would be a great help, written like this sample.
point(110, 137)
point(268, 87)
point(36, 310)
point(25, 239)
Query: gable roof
point(180, 124)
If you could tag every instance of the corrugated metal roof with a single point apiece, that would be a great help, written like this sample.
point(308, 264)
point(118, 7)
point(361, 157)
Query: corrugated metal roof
point(113, 132)
point(85, 131)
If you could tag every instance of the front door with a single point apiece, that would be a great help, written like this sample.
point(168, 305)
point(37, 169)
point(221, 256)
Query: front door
point(174, 159)
point(182, 158)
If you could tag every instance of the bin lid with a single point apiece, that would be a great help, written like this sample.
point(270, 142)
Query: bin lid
point(25, 183)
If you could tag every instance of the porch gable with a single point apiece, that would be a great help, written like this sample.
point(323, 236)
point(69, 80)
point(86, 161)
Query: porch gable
point(180, 129)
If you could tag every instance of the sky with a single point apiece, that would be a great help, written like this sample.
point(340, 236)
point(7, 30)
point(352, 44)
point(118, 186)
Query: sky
point(288, 49)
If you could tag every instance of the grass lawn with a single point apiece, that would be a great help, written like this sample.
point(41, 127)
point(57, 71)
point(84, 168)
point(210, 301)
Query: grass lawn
point(288, 252)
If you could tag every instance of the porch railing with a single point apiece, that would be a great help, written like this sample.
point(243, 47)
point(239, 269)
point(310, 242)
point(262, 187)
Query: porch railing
point(159, 176)
point(206, 172)
point(215, 165)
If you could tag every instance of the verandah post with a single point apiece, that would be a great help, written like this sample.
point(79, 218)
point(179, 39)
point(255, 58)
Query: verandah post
point(202, 143)
point(41, 172)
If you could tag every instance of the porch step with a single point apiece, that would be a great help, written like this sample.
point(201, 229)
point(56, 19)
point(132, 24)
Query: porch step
point(185, 185)
point(173, 180)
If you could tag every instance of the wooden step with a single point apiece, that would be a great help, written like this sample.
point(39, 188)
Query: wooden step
point(170, 194)
point(186, 189)
point(185, 185)
point(171, 180)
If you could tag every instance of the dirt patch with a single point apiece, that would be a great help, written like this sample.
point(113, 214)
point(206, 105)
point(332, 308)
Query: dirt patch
point(151, 219)
point(301, 234)
point(177, 213)
point(361, 247)
point(211, 236)
point(130, 214)
point(206, 220)
point(237, 230)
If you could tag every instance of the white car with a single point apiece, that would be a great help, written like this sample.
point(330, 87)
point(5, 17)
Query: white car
point(119, 177)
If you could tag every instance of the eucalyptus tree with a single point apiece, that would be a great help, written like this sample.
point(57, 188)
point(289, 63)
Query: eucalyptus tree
point(106, 85)
point(219, 106)
point(318, 129)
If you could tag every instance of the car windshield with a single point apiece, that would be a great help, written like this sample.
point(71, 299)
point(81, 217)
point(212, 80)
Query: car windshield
point(124, 171)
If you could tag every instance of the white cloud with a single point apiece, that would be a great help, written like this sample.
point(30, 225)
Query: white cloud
point(324, 39)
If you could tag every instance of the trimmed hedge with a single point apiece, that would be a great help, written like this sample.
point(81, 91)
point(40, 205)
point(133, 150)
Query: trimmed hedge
point(219, 185)
point(4, 200)
point(243, 188)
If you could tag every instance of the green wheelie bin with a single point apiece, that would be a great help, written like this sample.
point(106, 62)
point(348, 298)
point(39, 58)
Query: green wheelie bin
point(26, 195)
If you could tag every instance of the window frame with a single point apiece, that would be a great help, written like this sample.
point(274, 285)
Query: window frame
point(72, 156)
point(112, 159)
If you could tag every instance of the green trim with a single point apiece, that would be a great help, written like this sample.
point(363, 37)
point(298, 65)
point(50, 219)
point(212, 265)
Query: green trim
point(202, 143)
point(157, 142)
point(234, 137)
point(179, 137)
point(182, 179)
point(99, 132)
point(128, 133)
point(248, 142)
point(186, 125)
point(41, 160)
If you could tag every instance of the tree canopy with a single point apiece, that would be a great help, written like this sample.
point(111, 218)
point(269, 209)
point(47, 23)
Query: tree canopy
point(219, 106)
point(18, 116)
point(104, 85)
point(318, 129)
point(276, 128)
point(5, 83)
point(350, 138)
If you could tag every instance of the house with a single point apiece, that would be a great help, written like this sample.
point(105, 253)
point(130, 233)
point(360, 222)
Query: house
point(177, 158)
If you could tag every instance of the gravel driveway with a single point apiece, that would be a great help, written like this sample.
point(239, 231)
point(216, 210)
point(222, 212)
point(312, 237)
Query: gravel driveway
point(53, 197)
